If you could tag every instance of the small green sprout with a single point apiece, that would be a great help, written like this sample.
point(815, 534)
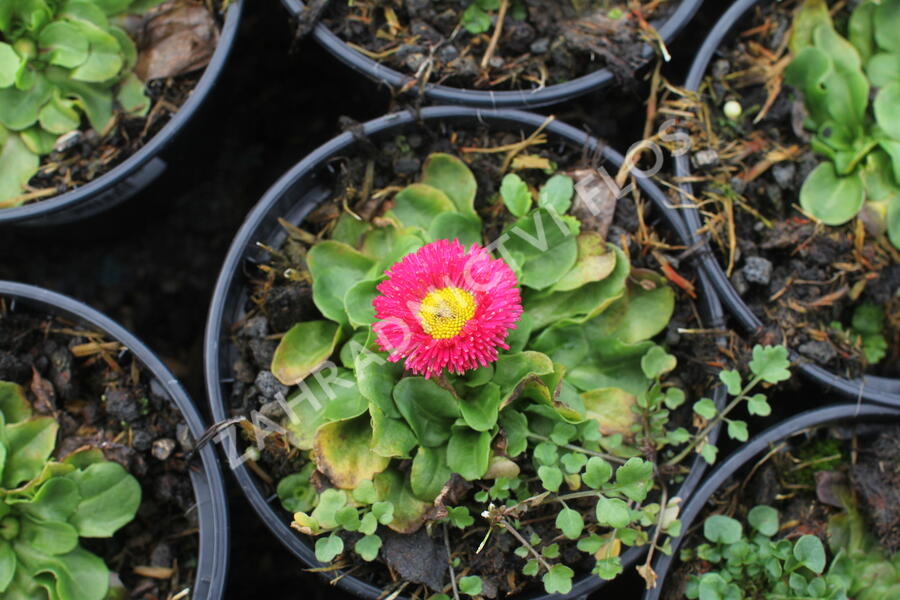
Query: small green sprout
point(859, 140)
point(60, 61)
point(47, 505)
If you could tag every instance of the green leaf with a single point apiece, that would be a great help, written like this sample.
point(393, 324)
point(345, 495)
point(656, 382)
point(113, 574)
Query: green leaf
point(720, 529)
point(105, 59)
point(513, 370)
point(558, 580)
point(893, 218)
point(456, 226)
point(417, 205)
point(832, 199)
point(459, 516)
point(612, 512)
point(368, 524)
point(303, 349)
point(635, 478)
point(55, 500)
point(335, 268)
point(428, 408)
point(595, 261)
point(62, 43)
point(376, 378)
point(810, 553)
point(110, 497)
point(811, 15)
point(470, 585)
point(612, 409)
point(19, 108)
point(358, 303)
point(861, 30)
point(758, 405)
point(348, 518)
point(408, 511)
point(557, 194)
point(708, 453)
point(763, 519)
point(737, 430)
point(429, 473)
point(886, 109)
point(48, 537)
point(475, 20)
point(515, 425)
point(295, 491)
point(343, 452)
point(516, 195)
point(9, 65)
point(7, 564)
point(330, 502)
point(131, 96)
point(657, 362)
point(551, 477)
point(596, 472)
point(327, 548)
point(809, 71)
point(732, 381)
point(451, 175)
point(390, 437)
point(570, 523)
point(706, 408)
point(481, 408)
point(95, 100)
point(548, 246)
point(887, 23)
point(770, 363)
point(29, 445)
point(13, 404)
point(469, 452)
point(367, 547)
point(76, 574)
point(883, 69)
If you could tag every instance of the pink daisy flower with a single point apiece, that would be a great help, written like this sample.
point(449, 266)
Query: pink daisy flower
point(442, 306)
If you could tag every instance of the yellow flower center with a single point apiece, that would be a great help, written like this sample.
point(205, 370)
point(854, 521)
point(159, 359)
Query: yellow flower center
point(444, 312)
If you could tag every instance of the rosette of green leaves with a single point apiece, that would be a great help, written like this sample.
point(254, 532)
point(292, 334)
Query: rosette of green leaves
point(579, 382)
point(47, 505)
point(755, 565)
point(859, 139)
point(60, 61)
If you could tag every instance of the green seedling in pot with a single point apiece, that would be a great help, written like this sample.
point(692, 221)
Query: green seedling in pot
point(46, 506)
point(530, 372)
point(859, 139)
point(61, 61)
point(866, 331)
point(754, 565)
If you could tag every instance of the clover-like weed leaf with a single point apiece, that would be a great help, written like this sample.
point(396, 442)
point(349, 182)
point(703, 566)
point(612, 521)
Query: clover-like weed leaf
point(770, 363)
point(722, 529)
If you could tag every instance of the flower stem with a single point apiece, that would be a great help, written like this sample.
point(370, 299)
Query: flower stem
point(573, 448)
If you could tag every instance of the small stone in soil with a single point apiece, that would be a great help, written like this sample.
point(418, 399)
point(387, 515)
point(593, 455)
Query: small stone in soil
point(784, 174)
point(465, 66)
point(540, 46)
point(272, 410)
point(268, 386)
point(820, 352)
point(448, 53)
point(406, 165)
point(425, 32)
point(262, 350)
point(121, 405)
point(141, 440)
point(161, 556)
point(518, 35)
point(739, 283)
point(184, 437)
point(162, 448)
point(705, 158)
point(757, 270)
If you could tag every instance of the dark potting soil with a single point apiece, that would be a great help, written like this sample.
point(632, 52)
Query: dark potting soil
point(102, 397)
point(86, 154)
point(796, 276)
point(798, 479)
point(277, 302)
point(542, 42)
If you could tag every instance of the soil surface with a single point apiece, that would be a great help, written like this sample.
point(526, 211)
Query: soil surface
point(798, 480)
point(796, 276)
point(102, 397)
point(152, 263)
point(541, 42)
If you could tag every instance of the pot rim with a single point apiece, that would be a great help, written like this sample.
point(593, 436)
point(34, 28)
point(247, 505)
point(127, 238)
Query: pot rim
point(206, 477)
point(52, 208)
point(880, 390)
point(272, 514)
point(525, 99)
point(747, 452)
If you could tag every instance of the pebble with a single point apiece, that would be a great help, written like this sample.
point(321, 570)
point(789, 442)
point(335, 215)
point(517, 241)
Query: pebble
point(121, 405)
point(784, 174)
point(496, 62)
point(161, 555)
point(518, 35)
point(406, 165)
point(268, 385)
point(738, 184)
point(163, 448)
point(141, 440)
point(425, 32)
point(256, 327)
point(540, 46)
point(821, 352)
point(757, 270)
point(407, 50)
point(448, 53)
point(272, 410)
point(705, 158)
point(184, 437)
point(414, 61)
point(739, 282)
point(465, 66)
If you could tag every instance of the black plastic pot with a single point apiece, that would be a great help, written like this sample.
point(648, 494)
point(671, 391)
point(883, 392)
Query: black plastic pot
point(297, 193)
point(140, 169)
point(443, 94)
point(747, 453)
point(206, 476)
point(872, 389)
